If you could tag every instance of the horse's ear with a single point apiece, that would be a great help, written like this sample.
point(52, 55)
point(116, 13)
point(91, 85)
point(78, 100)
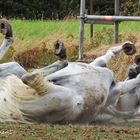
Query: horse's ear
point(129, 48)
point(137, 59)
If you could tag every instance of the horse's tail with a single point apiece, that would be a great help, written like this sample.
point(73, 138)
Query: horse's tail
point(37, 82)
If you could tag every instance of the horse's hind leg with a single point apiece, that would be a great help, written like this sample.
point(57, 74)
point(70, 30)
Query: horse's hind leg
point(122, 88)
point(53, 67)
point(112, 52)
point(60, 51)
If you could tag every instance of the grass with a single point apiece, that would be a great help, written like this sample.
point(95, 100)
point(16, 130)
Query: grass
point(26, 30)
point(29, 33)
point(69, 132)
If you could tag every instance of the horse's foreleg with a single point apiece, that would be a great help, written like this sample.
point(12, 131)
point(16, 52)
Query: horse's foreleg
point(112, 52)
point(126, 86)
point(121, 88)
point(53, 67)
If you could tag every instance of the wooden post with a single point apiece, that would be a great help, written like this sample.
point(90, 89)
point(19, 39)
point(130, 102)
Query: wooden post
point(91, 25)
point(116, 24)
point(82, 16)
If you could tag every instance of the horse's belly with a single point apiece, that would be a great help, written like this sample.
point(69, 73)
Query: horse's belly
point(92, 84)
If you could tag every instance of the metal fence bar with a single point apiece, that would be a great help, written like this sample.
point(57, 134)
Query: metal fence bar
point(112, 18)
point(91, 25)
point(99, 22)
point(82, 14)
point(116, 24)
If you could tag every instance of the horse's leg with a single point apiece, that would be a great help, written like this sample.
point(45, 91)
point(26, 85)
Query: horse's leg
point(126, 86)
point(11, 68)
point(60, 51)
point(121, 88)
point(53, 67)
point(112, 52)
point(5, 29)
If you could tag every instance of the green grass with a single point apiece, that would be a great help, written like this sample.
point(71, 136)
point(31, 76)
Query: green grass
point(26, 30)
point(29, 33)
point(67, 132)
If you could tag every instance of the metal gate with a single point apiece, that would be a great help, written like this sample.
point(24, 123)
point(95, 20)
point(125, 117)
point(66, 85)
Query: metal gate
point(98, 19)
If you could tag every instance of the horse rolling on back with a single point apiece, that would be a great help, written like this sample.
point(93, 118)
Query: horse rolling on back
point(62, 92)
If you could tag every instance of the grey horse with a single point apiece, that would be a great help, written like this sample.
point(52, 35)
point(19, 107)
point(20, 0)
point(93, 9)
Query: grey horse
point(64, 92)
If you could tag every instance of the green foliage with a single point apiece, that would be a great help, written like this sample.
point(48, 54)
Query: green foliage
point(59, 9)
point(8, 56)
point(38, 9)
point(130, 7)
point(104, 36)
point(46, 56)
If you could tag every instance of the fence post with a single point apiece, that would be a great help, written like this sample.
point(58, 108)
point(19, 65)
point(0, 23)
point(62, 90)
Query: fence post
point(82, 16)
point(116, 24)
point(91, 25)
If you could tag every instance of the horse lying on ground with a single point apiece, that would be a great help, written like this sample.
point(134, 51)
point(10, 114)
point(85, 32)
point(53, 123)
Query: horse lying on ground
point(65, 92)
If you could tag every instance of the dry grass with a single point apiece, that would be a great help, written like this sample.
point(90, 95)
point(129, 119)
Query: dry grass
point(43, 53)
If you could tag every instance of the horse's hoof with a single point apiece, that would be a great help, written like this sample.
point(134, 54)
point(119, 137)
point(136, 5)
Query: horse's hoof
point(129, 48)
point(60, 50)
point(6, 28)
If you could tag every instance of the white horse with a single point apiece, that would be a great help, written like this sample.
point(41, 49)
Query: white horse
point(66, 92)
point(76, 93)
